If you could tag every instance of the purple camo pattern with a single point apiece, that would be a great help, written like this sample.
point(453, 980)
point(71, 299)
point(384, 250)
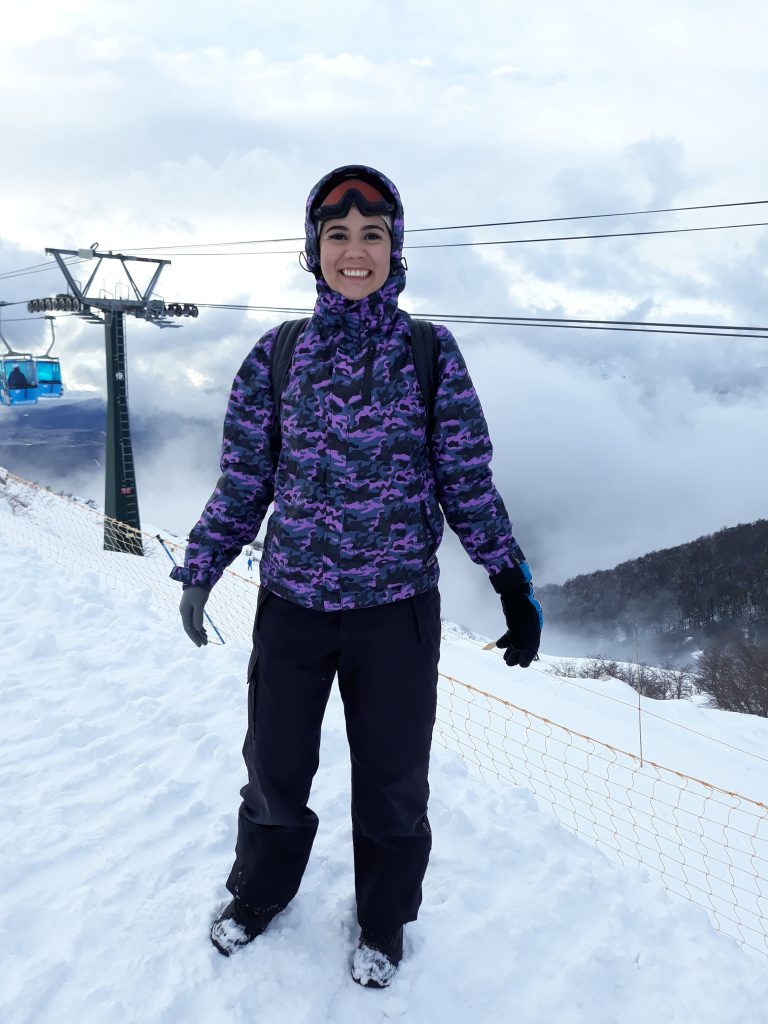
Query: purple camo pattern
point(359, 495)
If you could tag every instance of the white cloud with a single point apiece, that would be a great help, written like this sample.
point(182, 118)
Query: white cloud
point(158, 124)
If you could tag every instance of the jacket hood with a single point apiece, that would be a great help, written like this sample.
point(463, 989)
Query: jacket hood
point(370, 174)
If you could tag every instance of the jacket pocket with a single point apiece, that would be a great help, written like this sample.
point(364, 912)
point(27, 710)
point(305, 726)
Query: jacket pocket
point(429, 532)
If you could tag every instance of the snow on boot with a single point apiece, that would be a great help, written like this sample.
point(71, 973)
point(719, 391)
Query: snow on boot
point(376, 958)
point(236, 926)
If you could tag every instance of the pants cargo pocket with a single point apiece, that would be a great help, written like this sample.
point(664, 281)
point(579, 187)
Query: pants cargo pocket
point(264, 596)
point(426, 612)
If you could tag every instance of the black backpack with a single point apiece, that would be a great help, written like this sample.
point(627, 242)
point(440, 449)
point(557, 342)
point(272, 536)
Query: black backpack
point(425, 351)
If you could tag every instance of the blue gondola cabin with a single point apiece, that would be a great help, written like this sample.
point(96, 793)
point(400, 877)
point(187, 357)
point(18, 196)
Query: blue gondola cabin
point(49, 377)
point(18, 381)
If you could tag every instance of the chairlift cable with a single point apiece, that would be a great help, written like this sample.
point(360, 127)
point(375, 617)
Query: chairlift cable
point(631, 326)
point(635, 326)
point(42, 268)
point(463, 227)
point(22, 319)
point(39, 268)
point(497, 241)
point(23, 270)
point(572, 238)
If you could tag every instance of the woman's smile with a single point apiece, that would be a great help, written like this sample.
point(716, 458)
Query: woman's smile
point(355, 254)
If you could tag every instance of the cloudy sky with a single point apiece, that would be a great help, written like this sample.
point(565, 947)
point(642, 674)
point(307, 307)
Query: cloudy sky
point(137, 125)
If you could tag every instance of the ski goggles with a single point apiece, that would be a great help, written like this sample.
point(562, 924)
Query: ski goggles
point(368, 200)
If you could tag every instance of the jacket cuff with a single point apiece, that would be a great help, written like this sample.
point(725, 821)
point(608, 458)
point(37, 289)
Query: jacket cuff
point(518, 577)
point(186, 577)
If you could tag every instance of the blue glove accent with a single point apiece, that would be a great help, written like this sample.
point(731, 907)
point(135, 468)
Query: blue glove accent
point(526, 570)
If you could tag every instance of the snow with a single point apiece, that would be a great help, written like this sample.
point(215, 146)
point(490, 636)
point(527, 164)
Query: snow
point(120, 768)
point(370, 967)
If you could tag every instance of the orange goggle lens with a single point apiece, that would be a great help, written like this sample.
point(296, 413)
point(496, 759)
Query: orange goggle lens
point(368, 192)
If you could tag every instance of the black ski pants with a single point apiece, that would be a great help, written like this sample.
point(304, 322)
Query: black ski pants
point(386, 661)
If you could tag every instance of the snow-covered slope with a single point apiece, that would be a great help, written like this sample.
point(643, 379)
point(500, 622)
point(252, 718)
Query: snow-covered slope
point(120, 768)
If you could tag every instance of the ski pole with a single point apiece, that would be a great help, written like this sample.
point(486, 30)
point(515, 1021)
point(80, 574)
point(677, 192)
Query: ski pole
point(205, 614)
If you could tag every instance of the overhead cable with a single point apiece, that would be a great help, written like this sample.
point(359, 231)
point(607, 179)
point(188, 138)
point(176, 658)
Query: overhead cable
point(43, 267)
point(462, 227)
point(37, 268)
point(628, 326)
point(22, 319)
point(632, 326)
point(497, 241)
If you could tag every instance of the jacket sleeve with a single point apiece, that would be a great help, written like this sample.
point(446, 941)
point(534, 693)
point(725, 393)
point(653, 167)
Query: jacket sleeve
point(461, 457)
point(234, 512)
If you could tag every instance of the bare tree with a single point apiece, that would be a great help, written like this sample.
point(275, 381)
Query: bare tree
point(735, 676)
point(678, 682)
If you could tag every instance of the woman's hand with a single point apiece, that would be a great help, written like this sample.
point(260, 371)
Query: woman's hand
point(191, 607)
point(523, 614)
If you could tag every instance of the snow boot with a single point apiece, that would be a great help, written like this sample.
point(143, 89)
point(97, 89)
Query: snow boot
point(377, 957)
point(236, 926)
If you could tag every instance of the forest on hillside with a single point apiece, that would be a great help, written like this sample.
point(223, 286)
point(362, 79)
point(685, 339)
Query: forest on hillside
point(670, 602)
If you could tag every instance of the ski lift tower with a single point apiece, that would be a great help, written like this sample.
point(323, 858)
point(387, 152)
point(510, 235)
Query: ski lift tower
point(122, 526)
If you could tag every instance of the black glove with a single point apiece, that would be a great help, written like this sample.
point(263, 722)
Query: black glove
point(522, 612)
point(192, 604)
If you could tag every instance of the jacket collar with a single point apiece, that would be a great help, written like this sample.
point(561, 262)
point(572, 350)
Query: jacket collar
point(375, 313)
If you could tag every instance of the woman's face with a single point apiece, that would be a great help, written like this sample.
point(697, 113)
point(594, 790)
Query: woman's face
point(354, 254)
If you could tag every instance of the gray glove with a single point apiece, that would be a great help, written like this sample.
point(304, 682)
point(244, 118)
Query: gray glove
point(192, 604)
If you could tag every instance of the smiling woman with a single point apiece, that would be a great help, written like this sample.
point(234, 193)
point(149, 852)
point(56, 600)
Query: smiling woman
point(354, 253)
point(362, 465)
point(353, 221)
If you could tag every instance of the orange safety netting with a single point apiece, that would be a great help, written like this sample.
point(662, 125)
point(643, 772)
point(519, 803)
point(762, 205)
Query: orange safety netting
point(706, 844)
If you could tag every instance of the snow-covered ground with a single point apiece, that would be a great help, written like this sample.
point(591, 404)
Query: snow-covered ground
point(120, 768)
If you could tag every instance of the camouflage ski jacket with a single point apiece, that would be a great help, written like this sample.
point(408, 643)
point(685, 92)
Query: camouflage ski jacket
point(360, 493)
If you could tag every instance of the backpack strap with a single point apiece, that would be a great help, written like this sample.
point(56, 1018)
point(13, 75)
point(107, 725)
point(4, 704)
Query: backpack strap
point(281, 357)
point(425, 354)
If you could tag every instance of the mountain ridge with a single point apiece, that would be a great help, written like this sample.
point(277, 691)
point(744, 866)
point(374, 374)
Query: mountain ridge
point(674, 600)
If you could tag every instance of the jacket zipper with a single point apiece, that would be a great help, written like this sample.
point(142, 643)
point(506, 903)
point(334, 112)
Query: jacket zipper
point(368, 375)
point(431, 541)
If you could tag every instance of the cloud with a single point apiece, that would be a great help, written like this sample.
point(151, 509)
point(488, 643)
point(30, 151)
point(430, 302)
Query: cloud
point(132, 126)
point(599, 470)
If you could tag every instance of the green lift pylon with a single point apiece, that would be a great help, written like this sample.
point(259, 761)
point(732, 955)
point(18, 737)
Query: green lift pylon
point(122, 526)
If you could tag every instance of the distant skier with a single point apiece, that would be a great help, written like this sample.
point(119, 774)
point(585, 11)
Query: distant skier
point(362, 466)
point(17, 379)
point(250, 564)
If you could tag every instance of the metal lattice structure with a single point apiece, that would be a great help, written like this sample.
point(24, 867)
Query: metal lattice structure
point(122, 527)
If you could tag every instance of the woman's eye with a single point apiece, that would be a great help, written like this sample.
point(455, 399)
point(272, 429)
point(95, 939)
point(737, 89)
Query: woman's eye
point(341, 236)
